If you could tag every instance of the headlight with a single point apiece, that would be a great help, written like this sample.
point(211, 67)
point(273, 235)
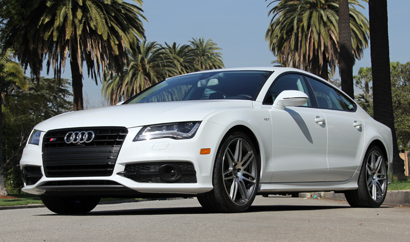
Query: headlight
point(35, 137)
point(185, 130)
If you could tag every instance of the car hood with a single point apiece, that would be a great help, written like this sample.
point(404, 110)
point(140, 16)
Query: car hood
point(133, 115)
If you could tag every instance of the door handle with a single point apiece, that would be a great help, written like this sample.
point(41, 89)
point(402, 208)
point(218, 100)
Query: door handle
point(321, 121)
point(358, 125)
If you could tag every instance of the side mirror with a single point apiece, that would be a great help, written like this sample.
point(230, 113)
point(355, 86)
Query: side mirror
point(290, 99)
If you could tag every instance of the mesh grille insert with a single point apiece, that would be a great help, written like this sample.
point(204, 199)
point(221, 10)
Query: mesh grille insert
point(96, 158)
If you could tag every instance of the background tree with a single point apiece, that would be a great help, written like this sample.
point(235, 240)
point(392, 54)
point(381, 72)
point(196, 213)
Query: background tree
point(363, 80)
point(10, 10)
point(400, 87)
point(400, 83)
point(380, 58)
point(304, 34)
point(92, 31)
point(23, 109)
point(147, 65)
point(346, 58)
point(11, 77)
point(206, 54)
point(181, 58)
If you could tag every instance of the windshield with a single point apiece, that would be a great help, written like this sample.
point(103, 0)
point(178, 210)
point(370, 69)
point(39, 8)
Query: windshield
point(204, 86)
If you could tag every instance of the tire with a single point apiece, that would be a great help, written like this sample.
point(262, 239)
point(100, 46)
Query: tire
point(70, 205)
point(372, 184)
point(235, 176)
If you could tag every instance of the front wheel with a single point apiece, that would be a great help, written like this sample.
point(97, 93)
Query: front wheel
point(235, 176)
point(372, 182)
point(70, 205)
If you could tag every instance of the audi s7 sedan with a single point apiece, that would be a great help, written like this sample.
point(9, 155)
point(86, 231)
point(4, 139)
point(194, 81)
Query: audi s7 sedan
point(223, 136)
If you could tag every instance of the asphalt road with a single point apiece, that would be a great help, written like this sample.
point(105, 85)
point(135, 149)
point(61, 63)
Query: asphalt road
point(269, 219)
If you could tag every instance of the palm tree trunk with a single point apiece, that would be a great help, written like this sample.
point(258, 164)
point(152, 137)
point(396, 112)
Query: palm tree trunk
point(3, 190)
point(77, 84)
point(346, 59)
point(380, 58)
point(367, 89)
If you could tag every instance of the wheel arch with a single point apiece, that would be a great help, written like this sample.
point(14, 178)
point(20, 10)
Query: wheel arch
point(246, 130)
point(383, 148)
point(379, 144)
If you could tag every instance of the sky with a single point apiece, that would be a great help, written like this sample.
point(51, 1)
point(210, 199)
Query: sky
point(238, 27)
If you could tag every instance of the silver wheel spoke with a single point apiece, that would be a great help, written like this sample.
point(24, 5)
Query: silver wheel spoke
point(247, 159)
point(378, 164)
point(230, 158)
point(374, 191)
point(243, 191)
point(379, 188)
point(238, 150)
point(373, 160)
point(369, 183)
point(249, 177)
point(376, 176)
point(369, 170)
point(381, 177)
point(228, 177)
point(239, 171)
point(234, 190)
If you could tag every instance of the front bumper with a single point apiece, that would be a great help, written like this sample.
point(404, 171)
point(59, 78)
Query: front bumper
point(159, 153)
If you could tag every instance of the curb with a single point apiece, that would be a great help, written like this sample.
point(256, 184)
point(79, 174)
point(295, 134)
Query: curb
point(22, 206)
point(396, 198)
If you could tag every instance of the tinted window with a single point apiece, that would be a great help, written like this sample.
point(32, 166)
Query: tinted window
point(286, 82)
point(204, 86)
point(329, 98)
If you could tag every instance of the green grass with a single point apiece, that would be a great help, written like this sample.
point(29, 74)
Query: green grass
point(26, 199)
point(22, 199)
point(399, 185)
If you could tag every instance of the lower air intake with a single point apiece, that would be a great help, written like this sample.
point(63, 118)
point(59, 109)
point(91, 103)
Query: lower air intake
point(161, 172)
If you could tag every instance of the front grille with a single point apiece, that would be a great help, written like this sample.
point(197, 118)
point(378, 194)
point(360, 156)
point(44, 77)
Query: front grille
point(96, 158)
point(151, 172)
point(31, 174)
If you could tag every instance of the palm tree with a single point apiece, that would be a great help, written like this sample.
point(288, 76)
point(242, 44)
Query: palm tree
point(304, 33)
point(181, 58)
point(147, 65)
point(363, 80)
point(11, 74)
point(346, 58)
point(206, 54)
point(380, 58)
point(92, 31)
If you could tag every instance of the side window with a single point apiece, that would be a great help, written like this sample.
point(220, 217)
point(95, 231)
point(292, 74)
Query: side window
point(329, 98)
point(286, 82)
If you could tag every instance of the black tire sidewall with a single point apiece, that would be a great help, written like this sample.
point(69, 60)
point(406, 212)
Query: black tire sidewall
point(363, 192)
point(222, 198)
point(70, 205)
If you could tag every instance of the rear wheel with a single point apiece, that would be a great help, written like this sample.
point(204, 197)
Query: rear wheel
point(372, 181)
point(235, 176)
point(70, 205)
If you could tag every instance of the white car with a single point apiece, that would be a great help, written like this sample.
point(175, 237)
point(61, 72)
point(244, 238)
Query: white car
point(223, 136)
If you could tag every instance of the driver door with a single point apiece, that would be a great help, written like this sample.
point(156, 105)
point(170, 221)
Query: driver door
point(299, 137)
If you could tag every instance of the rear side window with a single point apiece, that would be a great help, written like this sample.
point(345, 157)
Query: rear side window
point(329, 98)
point(286, 82)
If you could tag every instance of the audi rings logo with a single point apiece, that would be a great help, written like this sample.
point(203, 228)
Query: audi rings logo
point(79, 137)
